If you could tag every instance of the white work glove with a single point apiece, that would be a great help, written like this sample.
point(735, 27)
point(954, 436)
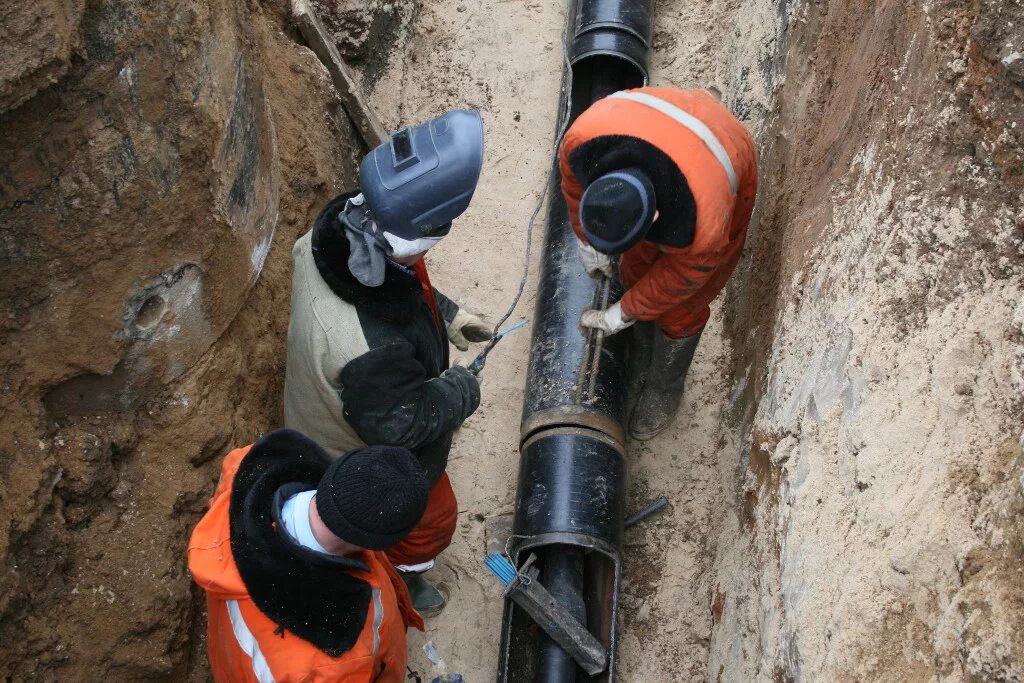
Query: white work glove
point(594, 262)
point(466, 328)
point(609, 321)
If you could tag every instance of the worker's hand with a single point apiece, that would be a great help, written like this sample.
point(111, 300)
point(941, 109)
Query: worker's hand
point(465, 328)
point(609, 321)
point(469, 383)
point(463, 365)
point(594, 262)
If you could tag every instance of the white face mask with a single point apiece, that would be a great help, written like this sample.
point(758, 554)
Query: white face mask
point(401, 248)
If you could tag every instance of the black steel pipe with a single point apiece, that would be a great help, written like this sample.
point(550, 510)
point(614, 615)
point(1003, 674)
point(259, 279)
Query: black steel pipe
point(572, 479)
point(617, 28)
point(563, 570)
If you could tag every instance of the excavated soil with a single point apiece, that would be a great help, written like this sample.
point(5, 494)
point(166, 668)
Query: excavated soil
point(149, 198)
point(846, 472)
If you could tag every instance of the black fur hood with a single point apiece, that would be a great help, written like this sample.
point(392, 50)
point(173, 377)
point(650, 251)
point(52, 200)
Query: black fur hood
point(311, 594)
point(395, 301)
point(677, 209)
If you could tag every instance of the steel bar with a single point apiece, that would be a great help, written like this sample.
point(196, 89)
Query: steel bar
point(645, 512)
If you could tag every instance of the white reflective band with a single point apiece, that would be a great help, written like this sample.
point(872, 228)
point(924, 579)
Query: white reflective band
point(691, 123)
point(378, 617)
point(415, 568)
point(247, 641)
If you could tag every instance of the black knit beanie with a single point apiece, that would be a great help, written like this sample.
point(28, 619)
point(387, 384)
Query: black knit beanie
point(617, 210)
point(373, 497)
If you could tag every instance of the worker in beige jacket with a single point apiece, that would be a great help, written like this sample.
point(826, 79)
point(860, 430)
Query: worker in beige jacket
point(368, 336)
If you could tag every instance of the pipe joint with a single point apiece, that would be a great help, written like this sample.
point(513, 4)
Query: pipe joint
point(614, 28)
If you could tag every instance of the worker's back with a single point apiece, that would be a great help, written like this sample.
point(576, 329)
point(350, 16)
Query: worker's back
point(324, 334)
point(369, 365)
point(296, 615)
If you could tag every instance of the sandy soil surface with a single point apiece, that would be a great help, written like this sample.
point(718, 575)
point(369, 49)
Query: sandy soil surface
point(506, 59)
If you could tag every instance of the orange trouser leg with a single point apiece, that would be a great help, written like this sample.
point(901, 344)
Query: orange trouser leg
point(434, 532)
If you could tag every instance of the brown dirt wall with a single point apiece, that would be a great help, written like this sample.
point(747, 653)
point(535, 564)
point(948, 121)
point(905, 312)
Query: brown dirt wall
point(149, 197)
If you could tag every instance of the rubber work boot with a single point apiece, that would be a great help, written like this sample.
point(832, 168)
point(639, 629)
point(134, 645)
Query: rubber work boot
point(641, 344)
point(426, 598)
point(663, 390)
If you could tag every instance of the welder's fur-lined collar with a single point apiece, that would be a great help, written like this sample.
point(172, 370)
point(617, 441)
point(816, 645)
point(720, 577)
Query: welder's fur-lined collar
point(395, 301)
point(311, 594)
point(677, 219)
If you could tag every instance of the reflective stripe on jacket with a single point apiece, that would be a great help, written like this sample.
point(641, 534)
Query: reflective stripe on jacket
point(705, 141)
point(246, 646)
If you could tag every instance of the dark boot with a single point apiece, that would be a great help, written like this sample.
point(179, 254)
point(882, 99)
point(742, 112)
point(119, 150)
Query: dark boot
point(641, 344)
point(663, 390)
point(426, 598)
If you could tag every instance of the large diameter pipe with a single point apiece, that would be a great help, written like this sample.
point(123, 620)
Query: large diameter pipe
point(572, 478)
point(573, 481)
point(563, 569)
point(616, 28)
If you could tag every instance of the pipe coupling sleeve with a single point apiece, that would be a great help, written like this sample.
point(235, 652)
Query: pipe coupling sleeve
point(615, 28)
point(628, 16)
point(572, 483)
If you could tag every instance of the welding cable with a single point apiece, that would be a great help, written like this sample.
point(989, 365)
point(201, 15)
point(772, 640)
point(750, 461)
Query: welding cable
point(563, 126)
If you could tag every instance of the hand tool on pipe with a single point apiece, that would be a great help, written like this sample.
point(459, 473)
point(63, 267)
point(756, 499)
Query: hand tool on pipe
point(523, 587)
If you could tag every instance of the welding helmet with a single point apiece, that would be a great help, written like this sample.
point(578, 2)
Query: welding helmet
point(422, 178)
point(617, 210)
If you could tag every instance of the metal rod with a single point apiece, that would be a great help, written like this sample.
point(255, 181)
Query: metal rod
point(601, 293)
point(645, 512)
point(595, 363)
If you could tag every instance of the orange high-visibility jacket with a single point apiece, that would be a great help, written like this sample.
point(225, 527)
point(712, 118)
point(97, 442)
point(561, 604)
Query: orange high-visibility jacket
point(247, 646)
point(620, 131)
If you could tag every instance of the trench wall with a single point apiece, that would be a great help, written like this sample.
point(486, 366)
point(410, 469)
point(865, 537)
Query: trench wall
point(157, 161)
point(156, 164)
point(878, 358)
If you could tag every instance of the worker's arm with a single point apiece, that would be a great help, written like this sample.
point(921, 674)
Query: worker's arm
point(461, 325)
point(389, 399)
point(672, 279)
point(572, 190)
point(677, 274)
point(448, 308)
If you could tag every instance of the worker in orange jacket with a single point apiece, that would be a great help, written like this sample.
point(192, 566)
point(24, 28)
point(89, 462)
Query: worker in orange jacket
point(291, 556)
point(666, 178)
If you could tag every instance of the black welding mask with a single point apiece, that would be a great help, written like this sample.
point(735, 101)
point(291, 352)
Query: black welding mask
point(422, 178)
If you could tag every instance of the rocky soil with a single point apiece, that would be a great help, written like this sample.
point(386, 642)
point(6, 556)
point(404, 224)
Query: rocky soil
point(846, 475)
